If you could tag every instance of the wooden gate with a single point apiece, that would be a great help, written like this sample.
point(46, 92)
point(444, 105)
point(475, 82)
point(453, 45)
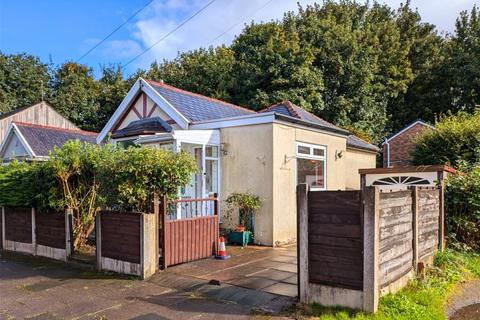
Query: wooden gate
point(188, 230)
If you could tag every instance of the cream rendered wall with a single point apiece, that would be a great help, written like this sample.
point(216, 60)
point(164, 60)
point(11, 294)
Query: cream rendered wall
point(247, 167)
point(132, 116)
point(284, 174)
point(355, 160)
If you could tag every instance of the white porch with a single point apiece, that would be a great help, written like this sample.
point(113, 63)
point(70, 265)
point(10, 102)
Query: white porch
point(204, 145)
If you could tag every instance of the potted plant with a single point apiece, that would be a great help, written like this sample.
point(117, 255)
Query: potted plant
point(246, 203)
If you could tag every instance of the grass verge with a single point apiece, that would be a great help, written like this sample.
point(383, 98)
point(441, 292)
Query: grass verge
point(424, 298)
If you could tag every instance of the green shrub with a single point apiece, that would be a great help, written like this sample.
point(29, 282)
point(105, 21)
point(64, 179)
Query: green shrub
point(456, 138)
point(462, 208)
point(130, 178)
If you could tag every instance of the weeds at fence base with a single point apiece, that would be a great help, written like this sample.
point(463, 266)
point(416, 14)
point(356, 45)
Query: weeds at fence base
point(423, 299)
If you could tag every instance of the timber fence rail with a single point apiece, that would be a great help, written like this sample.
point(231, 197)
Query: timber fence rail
point(355, 246)
point(26, 230)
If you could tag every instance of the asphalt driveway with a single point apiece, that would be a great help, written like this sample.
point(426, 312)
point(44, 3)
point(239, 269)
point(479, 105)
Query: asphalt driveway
point(36, 288)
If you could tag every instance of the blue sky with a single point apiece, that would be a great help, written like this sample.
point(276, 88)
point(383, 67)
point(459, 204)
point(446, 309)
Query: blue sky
point(64, 30)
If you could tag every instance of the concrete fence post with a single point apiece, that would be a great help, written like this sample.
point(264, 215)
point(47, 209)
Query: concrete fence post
point(441, 213)
point(371, 244)
point(3, 227)
point(302, 244)
point(34, 234)
point(98, 239)
point(148, 245)
point(68, 233)
point(415, 210)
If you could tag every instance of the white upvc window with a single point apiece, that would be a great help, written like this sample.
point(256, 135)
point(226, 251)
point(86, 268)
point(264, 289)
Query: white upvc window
point(311, 165)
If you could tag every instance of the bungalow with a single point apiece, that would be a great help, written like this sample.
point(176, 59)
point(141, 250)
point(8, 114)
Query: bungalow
point(33, 142)
point(238, 150)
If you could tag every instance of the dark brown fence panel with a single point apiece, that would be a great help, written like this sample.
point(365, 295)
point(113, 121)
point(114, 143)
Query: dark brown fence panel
point(428, 221)
point(18, 224)
point(396, 236)
point(190, 239)
point(335, 239)
point(120, 235)
point(50, 229)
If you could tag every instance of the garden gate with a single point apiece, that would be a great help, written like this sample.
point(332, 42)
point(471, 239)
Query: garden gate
point(188, 229)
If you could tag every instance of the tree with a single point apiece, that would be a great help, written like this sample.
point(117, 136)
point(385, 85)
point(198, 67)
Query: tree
point(112, 90)
point(24, 81)
point(271, 65)
point(426, 95)
point(363, 63)
point(461, 63)
point(205, 71)
point(75, 94)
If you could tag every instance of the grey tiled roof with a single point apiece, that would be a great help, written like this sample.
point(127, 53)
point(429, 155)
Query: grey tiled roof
point(196, 107)
point(143, 126)
point(356, 142)
point(42, 139)
point(289, 109)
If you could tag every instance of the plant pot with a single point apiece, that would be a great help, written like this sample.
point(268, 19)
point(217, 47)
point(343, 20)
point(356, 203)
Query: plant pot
point(240, 229)
point(240, 237)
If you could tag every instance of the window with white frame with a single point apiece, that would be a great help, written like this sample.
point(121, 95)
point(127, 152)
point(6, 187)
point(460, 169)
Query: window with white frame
point(311, 165)
point(211, 169)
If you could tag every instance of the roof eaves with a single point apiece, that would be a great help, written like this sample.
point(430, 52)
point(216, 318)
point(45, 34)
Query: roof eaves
point(311, 124)
point(407, 128)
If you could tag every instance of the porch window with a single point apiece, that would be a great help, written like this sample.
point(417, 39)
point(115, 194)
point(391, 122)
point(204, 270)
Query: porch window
point(211, 169)
point(311, 165)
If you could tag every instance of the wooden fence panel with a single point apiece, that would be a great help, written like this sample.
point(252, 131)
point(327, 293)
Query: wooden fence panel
point(120, 238)
point(18, 224)
point(396, 236)
point(50, 229)
point(190, 239)
point(335, 239)
point(428, 222)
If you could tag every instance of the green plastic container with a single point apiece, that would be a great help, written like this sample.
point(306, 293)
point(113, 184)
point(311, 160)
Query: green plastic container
point(240, 237)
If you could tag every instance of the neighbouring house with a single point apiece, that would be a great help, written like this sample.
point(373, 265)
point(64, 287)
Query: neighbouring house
point(397, 149)
point(239, 150)
point(33, 142)
point(40, 113)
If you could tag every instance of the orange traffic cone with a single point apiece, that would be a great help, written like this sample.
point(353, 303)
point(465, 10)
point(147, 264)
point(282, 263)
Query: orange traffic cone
point(222, 251)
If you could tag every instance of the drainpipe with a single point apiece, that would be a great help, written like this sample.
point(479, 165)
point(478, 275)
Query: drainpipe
point(388, 152)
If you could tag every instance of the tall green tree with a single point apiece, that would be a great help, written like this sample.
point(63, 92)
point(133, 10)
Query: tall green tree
point(112, 89)
point(75, 94)
point(24, 81)
point(426, 95)
point(462, 63)
point(205, 71)
point(358, 49)
point(271, 65)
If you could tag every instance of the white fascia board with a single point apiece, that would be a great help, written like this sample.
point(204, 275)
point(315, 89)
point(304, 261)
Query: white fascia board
point(120, 110)
point(407, 128)
point(164, 105)
point(210, 137)
point(267, 117)
point(4, 143)
point(296, 125)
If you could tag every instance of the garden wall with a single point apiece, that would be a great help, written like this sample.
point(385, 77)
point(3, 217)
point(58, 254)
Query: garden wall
point(127, 242)
point(27, 231)
point(355, 246)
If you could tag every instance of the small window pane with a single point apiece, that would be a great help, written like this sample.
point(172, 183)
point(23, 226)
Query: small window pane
point(311, 172)
point(303, 150)
point(318, 152)
point(211, 151)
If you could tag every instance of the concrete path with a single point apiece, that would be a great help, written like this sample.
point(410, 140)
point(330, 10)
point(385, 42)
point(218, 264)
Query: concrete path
point(465, 303)
point(33, 288)
point(266, 269)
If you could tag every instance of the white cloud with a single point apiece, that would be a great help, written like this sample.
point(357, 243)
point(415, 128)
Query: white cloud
point(121, 49)
point(164, 15)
